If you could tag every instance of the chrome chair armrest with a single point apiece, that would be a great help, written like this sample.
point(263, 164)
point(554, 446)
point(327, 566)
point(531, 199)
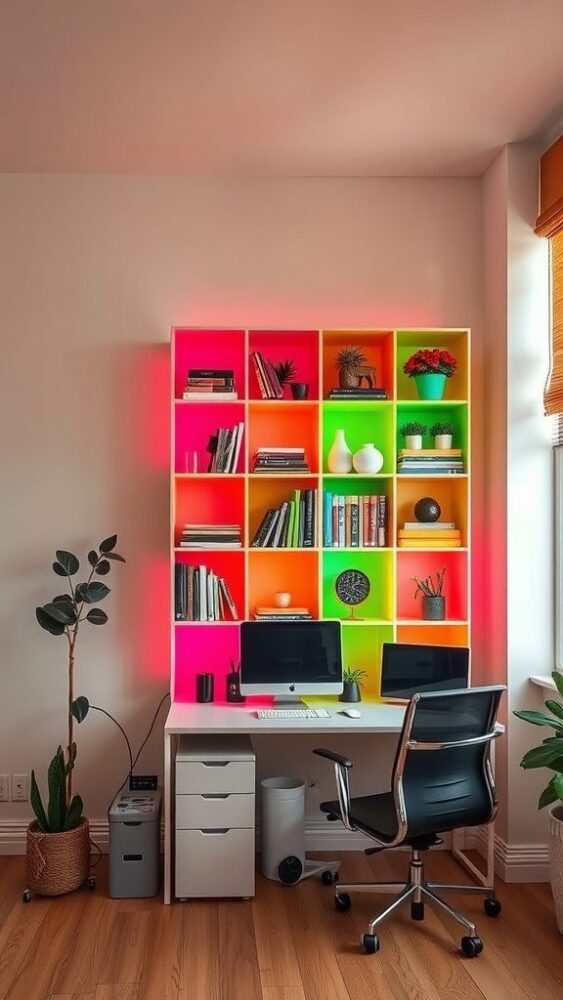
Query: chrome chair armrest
point(342, 766)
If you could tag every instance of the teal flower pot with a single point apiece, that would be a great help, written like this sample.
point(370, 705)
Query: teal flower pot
point(430, 385)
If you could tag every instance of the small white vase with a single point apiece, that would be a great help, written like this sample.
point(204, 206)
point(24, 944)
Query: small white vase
point(339, 457)
point(414, 441)
point(368, 460)
point(443, 441)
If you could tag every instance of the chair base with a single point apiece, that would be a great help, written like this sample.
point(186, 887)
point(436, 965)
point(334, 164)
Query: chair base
point(418, 891)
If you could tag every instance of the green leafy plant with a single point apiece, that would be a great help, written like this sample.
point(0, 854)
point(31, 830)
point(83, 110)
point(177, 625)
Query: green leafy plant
point(430, 587)
point(350, 357)
point(412, 429)
point(286, 371)
point(550, 752)
point(64, 615)
point(444, 428)
point(353, 675)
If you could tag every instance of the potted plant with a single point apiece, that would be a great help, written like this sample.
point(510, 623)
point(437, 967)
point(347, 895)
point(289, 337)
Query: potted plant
point(353, 680)
point(348, 360)
point(550, 754)
point(430, 369)
point(413, 433)
point(58, 841)
point(286, 372)
point(442, 434)
point(433, 600)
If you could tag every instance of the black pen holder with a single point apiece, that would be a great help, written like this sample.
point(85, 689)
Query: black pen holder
point(233, 688)
point(204, 687)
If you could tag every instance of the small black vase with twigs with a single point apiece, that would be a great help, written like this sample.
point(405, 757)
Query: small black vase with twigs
point(433, 600)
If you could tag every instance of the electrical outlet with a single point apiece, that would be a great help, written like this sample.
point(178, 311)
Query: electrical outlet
point(20, 787)
point(4, 787)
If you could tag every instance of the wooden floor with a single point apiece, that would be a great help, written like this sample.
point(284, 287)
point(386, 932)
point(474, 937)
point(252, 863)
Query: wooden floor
point(286, 944)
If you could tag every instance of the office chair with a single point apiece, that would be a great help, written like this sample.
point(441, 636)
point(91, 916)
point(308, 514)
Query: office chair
point(442, 780)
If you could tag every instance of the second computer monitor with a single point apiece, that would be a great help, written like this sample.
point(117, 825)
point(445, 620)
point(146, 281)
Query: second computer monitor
point(291, 658)
point(408, 668)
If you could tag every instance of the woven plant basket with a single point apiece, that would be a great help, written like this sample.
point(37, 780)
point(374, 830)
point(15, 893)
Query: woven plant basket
point(556, 860)
point(57, 863)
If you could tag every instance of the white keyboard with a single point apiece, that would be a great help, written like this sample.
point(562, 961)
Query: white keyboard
point(293, 713)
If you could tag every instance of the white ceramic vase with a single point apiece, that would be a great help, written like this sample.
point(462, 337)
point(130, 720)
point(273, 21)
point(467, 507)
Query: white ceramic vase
point(414, 441)
point(368, 460)
point(339, 457)
point(443, 441)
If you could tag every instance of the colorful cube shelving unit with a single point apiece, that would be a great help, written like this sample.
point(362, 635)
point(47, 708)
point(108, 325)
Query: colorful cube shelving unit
point(253, 575)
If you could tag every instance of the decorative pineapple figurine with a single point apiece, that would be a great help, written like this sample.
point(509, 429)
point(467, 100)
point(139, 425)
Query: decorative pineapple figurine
point(348, 360)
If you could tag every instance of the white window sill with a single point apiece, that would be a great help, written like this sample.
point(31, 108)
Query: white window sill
point(544, 681)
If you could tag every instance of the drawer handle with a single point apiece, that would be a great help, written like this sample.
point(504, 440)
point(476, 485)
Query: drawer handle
point(215, 763)
point(211, 798)
point(132, 857)
point(214, 833)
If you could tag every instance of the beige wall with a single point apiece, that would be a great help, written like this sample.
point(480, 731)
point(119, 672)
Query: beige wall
point(93, 272)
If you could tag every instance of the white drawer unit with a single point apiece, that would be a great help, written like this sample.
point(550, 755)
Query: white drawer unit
point(215, 817)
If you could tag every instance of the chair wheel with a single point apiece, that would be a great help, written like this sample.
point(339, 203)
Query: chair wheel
point(492, 906)
point(26, 896)
point(471, 946)
point(417, 911)
point(327, 878)
point(370, 944)
point(342, 902)
point(91, 882)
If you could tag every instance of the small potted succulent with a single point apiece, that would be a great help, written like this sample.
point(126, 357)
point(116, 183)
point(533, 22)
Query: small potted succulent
point(430, 369)
point(353, 679)
point(413, 433)
point(550, 754)
point(348, 360)
point(433, 600)
point(286, 372)
point(442, 434)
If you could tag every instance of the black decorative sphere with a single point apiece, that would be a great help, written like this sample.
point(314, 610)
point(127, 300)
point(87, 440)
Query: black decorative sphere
point(352, 586)
point(427, 510)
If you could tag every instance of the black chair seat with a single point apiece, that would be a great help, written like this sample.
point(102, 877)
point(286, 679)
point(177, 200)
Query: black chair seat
point(376, 814)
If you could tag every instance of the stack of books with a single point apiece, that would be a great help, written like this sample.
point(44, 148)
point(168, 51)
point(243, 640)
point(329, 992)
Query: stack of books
point(437, 535)
point(430, 461)
point(210, 384)
point(292, 525)
point(282, 614)
point(378, 392)
point(201, 596)
point(224, 448)
point(268, 381)
point(210, 536)
point(355, 521)
point(280, 460)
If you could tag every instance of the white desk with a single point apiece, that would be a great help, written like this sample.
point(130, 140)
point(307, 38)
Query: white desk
point(376, 718)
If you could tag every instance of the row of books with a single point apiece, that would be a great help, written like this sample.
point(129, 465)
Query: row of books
point(282, 614)
point(224, 448)
point(210, 384)
point(268, 381)
point(430, 461)
point(291, 525)
point(434, 535)
point(355, 521)
point(201, 596)
point(377, 392)
point(270, 460)
point(210, 536)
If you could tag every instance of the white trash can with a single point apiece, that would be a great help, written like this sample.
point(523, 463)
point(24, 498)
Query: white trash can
point(283, 827)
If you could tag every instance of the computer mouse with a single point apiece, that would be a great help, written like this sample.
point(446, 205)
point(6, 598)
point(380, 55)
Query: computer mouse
point(351, 713)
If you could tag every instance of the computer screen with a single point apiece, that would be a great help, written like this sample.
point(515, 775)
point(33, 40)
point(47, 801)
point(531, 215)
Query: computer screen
point(406, 669)
point(287, 658)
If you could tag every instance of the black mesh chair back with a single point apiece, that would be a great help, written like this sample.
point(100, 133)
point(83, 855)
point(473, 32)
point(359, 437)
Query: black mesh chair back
point(442, 777)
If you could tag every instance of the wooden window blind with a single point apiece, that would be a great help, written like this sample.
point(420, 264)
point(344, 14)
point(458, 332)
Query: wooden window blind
point(550, 224)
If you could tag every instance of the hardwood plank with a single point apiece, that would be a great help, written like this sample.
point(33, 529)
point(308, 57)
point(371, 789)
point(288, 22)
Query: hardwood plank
point(320, 974)
point(240, 979)
point(50, 949)
point(283, 993)
point(126, 947)
point(17, 934)
point(72, 996)
point(117, 991)
point(277, 959)
point(201, 961)
point(162, 974)
point(80, 972)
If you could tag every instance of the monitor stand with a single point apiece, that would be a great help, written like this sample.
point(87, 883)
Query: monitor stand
point(288, 701)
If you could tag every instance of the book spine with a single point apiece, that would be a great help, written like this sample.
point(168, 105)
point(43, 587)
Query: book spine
point(189, 588)
point(283, 539)
point(315, 518)
point(334, 521)
point(308, 530)
point(228, 598)
point(301, 539)
point(269, 539)
point(372, 521)
point(209, 595)
point(195, 609)
point(259, 377)
point(273, 379)
point(348, 522)
point(178, 612)
point(290, 524)
point(341, 523)
point(280, 525)
point(297, 499)
point(361, 522)
point(354, 523)
point(238, 445)
point(327, 520)
point(365, 522)
point(206, 373)
point(382, 522)
point(203, 593)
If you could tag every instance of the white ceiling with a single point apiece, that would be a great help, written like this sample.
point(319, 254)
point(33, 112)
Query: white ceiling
point(295, 87)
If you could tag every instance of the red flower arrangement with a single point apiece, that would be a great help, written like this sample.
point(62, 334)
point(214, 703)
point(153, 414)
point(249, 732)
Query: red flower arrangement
point(431, 362)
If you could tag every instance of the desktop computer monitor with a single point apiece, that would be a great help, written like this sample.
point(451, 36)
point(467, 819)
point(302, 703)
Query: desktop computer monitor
point(407, 668)
point(289, 659)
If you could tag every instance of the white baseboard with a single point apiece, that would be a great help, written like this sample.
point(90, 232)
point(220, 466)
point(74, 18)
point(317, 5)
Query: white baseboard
point(513, 862)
